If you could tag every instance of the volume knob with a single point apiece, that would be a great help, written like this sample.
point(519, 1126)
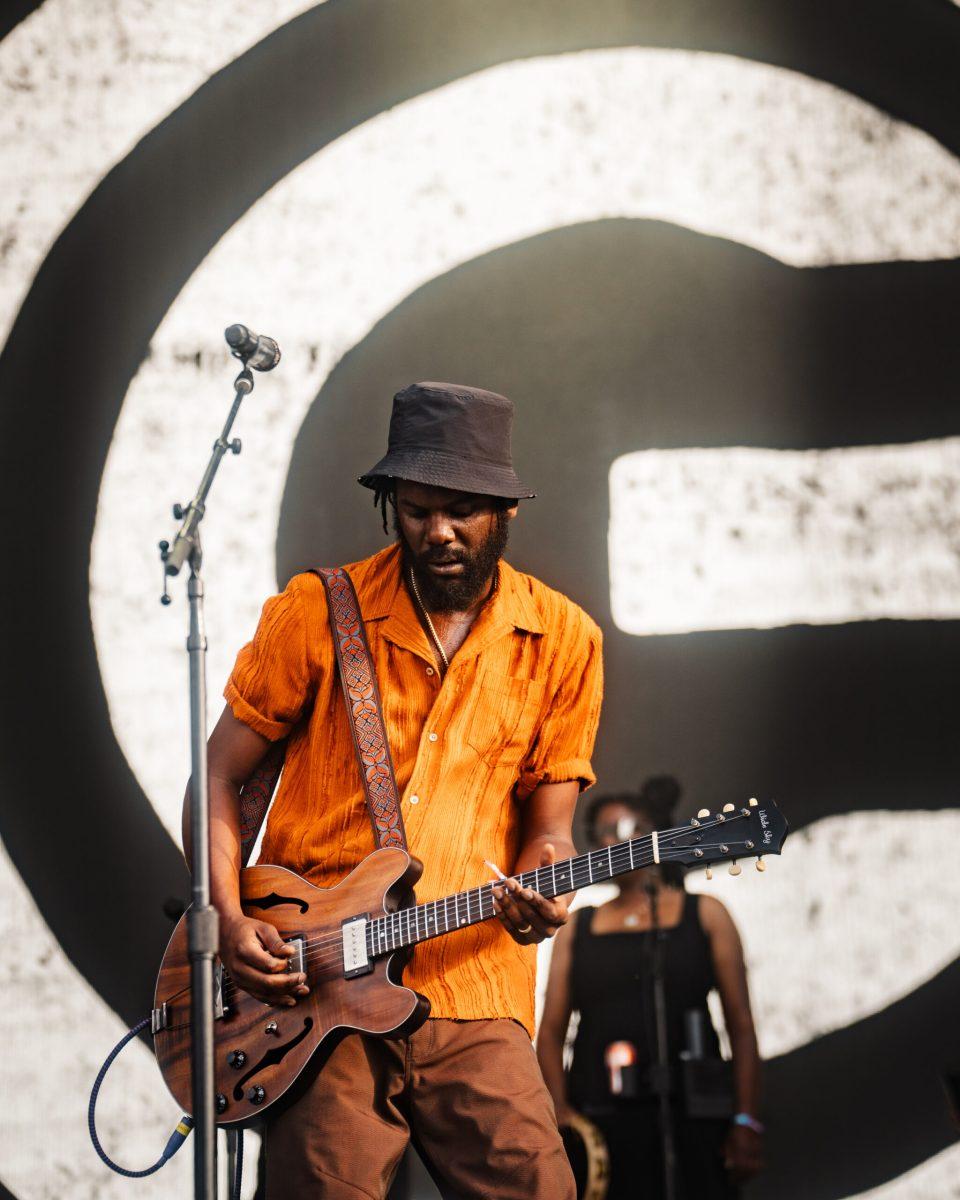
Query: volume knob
point(236, 1059)
point(256, 1095)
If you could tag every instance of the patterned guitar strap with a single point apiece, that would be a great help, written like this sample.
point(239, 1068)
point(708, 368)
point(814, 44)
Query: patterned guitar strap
point(365, 713)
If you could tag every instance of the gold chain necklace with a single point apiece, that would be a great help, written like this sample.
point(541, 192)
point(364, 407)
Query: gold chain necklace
point(426, 617)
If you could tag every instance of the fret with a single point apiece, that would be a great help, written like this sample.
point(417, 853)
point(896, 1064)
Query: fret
point(630, 844)
point(466, 896)
point(590, 867)
point(553, 875)
point(610, 860)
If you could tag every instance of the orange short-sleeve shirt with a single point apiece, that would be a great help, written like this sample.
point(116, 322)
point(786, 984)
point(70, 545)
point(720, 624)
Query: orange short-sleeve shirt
point(518, 706)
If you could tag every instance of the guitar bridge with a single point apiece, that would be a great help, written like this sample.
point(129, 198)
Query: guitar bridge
point(356, 960)
point(219, 1008)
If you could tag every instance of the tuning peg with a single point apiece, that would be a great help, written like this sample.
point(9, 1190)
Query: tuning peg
point(761, 865)
point(704, 812)
point(735, 868)
point(728, 808)
point(709, 873)
point(753, 802)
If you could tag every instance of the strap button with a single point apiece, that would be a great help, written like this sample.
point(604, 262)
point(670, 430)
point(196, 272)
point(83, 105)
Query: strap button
point(432, 737)
point(414, 799)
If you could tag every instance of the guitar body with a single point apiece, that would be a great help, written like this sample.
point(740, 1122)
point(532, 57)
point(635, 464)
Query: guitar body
point(261, 1050)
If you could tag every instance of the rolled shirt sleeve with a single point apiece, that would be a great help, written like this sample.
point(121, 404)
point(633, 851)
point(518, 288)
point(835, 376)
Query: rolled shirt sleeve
point(562, 749)
point(270, 685)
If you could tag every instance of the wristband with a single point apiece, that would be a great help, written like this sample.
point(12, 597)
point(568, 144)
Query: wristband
point(749, 1122)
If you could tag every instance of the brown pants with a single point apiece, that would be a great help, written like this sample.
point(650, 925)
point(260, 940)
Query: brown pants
point(469, 1093)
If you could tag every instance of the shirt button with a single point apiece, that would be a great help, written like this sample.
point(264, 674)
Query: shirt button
point(430, 670)
point(414, 799)
point(432, 737)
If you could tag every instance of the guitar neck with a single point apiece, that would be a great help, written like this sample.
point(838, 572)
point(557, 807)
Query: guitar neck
point(408, 926)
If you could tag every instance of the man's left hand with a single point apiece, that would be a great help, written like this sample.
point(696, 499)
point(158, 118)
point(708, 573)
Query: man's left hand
point(526, 915)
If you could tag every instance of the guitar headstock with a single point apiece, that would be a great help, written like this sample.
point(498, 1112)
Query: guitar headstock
point(748, 831)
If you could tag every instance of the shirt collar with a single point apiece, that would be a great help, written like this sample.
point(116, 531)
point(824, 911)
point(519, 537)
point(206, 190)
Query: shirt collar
point(383, 596)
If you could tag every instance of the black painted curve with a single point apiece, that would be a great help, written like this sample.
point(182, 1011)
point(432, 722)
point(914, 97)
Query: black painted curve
point(866, 1103)
point(80, 824)
point(15, 11)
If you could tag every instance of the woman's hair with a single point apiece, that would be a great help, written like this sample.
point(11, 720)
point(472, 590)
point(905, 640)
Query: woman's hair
point(656, 801)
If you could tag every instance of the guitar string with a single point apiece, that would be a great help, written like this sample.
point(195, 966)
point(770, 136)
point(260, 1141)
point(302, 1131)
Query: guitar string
point(621, 851)
point(319, 956)
point(327, 950)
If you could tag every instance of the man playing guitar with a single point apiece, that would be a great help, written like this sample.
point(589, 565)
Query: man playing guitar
point(491, 685)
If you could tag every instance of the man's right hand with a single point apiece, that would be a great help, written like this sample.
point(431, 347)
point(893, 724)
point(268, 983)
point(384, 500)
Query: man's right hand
point(256, 956)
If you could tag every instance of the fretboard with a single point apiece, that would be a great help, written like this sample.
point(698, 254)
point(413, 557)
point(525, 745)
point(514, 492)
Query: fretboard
point(407, 926)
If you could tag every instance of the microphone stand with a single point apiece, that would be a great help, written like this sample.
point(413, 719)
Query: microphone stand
point(202, 923)
point(661, 1072)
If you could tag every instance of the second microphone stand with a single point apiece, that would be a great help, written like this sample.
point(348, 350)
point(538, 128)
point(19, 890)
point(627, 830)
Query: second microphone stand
point(662, 1072)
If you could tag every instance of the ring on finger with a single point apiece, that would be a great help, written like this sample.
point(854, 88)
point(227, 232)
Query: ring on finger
point(524, 928)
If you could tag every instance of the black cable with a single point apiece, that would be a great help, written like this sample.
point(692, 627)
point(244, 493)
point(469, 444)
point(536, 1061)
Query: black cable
point(174, 1142)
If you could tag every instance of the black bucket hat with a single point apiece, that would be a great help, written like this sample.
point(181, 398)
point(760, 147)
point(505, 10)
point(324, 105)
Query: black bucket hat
point(447, 435)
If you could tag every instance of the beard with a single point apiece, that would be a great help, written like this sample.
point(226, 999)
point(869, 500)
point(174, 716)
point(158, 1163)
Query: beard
point(464, 590)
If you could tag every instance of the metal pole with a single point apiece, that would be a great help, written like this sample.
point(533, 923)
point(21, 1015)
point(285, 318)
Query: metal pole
point(202, 926)
point(663, 1071)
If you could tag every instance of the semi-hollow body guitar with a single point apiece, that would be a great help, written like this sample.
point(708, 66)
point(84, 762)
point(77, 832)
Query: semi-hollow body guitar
point(352, 941)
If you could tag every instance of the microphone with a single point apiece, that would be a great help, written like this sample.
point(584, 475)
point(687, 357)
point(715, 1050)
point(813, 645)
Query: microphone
point(253, 349)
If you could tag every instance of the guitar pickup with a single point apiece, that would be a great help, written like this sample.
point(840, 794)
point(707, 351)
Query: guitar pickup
point(356, 960)
point(296, 965)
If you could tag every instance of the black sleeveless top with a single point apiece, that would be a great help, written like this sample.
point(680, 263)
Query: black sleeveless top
point(611, 986)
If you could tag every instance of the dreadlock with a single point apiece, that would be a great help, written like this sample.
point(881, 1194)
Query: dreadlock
point(385, 493)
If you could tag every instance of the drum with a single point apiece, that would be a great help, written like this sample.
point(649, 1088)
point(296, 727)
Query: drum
point(589, 1159)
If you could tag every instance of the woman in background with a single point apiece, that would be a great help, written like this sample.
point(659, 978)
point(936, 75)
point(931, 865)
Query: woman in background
point(602, 969)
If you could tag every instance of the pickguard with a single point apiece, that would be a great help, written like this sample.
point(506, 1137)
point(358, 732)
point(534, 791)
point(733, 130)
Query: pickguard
point(273, 1057)
point(273, 900)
